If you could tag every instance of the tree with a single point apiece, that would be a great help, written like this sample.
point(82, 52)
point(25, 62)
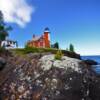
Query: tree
point(71, 48)
point(3, 29)
point(56, 45)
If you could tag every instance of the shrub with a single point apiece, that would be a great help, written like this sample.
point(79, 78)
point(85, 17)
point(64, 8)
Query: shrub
point(58, 55)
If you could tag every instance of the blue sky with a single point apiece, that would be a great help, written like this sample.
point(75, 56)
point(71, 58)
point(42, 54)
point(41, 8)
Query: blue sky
point(70, 21)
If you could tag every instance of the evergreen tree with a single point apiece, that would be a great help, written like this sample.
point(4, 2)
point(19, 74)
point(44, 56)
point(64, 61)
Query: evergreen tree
point(3, 29)
point(56, 45)
point(71, 48)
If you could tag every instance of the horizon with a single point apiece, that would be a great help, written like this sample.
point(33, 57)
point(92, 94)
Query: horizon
point(69, 21)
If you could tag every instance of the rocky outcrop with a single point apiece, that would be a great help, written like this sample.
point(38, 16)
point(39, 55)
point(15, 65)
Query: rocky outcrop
point(41, 77)
point(2, 63)
point(71, 54)
point(90, 62)
point(48, 62)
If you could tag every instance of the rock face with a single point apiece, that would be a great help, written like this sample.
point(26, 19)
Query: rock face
point(71, 54)
point(90, 62)
point(36, 77)
point(48, 62)
point(2, 63)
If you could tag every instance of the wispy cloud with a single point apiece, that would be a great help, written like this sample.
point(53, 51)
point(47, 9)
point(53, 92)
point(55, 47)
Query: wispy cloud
point(16, 11)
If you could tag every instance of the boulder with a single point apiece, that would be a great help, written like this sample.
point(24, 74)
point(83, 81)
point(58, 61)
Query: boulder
point(90, 62)
point(48, 62)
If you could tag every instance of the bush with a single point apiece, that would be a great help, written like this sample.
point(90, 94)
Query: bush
point(58, 55)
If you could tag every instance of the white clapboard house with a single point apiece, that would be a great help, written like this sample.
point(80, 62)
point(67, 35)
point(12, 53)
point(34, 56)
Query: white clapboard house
point(9, 44)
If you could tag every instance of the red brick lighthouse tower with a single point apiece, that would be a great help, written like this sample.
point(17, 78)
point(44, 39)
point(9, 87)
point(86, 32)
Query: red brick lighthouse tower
point(47, 37)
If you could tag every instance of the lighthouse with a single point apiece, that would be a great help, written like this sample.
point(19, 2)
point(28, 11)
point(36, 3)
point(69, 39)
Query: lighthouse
point(47, 37)
point(42, 41)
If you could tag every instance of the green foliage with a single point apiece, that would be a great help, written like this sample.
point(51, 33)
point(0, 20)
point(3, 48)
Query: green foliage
point(19, 51)
point(2, 49)
point(56, 45)
point(3, 36)
point(58, 55)
point(30, 49)
point(3, 29)
point(52, 50)
point(71, 48)
point(1, 18)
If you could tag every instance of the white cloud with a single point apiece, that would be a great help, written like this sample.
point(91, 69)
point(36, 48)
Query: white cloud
point(16, 11)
